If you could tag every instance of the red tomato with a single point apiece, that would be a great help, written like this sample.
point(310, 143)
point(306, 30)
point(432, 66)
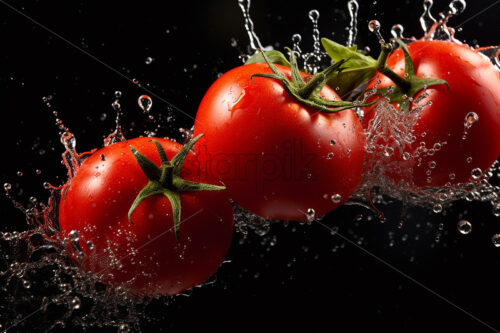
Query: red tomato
point(474, 93)
point(145, 253)
point(278, 157)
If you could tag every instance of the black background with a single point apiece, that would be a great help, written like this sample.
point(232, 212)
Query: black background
point(310, 280)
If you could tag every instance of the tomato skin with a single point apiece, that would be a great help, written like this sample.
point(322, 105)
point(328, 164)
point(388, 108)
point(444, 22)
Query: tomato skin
point(96, 204)
point(474, 86)
point(271, 151)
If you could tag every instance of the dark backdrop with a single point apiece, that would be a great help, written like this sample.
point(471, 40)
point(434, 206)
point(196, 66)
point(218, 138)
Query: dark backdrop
point(309, 280)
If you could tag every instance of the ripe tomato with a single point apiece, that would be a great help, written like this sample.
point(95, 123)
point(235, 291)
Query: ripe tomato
point(464, 119)
point(278, 157)
point(144, 253)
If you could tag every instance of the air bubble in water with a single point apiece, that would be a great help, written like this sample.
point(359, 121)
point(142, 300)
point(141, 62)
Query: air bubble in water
point(437, 208)
point(74, 235)
point(476, 173)
point(118, 94)
point(148, 60)
point(145, 103)
point(336, 198)
point(464, 227)
point(470, 119)
point(311, 214)
point(7, 186)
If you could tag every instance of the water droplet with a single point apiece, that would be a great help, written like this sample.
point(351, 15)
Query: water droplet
point(296, 38)
point(314, 15)
point(7, 186)
point(496, 240)
point(330, 156)
point(145, 103)
point(26, 284)
point(457, 7)
point(452, 176)
point(38, 171)
point(336, 198)
point(19, 173)
point(476, 173)
point(118, 94)
point(90, 245)
point(397, 31)
point(74, 234)
point(469, 159)
point(464, 227)
point(76, 303)
point(470, 119)
point(432, 164)
point(116, 105)
point(332, 142)
point(496, 210)
point(406, 156)
point(388, 151)
point(437, 208)
point(311, 215)
point(374, 25)
point(46, 185)
point(103, 157)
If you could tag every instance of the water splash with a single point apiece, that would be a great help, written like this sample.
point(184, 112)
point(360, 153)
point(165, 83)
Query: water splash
point(439, 30)
point(374, 26)
point(352, 8)
point(117, 134)
point(145, 103)
point(312, 60)
point(249, 27)
point(427, 20)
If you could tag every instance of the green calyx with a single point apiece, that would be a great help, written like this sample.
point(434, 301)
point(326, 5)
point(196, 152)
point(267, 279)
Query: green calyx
point(406, 87)
point(307, 93)
point(166, 180)
point(362, 69)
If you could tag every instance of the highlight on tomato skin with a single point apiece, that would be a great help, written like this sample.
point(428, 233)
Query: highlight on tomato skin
point(144, 256)
point(280, 159)
point(462, 121)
